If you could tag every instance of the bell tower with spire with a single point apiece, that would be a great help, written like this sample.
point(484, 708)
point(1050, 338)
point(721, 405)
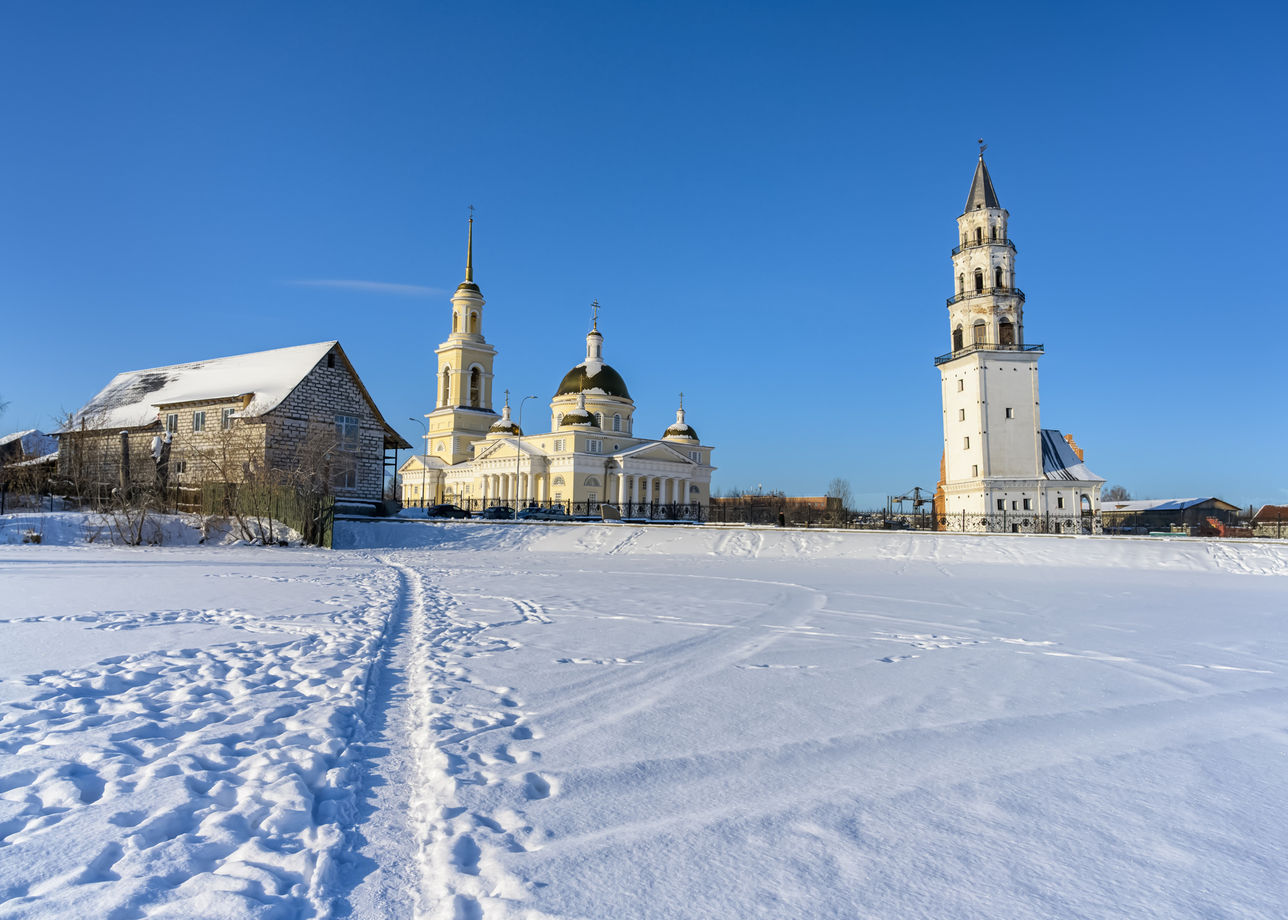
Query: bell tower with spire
point(463, 385)
point(989, 378)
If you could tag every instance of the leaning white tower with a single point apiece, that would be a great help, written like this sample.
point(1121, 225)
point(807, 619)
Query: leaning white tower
point(998, 463)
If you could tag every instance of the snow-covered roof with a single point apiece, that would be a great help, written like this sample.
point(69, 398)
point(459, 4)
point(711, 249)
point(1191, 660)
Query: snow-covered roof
point(1158, 504)
point(35, 443)
point(425, 461)
point(131, 399)
point(1060, 462)
point(38, 461)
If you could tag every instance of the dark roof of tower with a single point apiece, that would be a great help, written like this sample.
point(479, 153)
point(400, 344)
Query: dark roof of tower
point(681, 430)
point(607, 380)
point(982, 194)
point(578, 417)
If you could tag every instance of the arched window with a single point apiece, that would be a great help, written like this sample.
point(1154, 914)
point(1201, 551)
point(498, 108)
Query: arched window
point(979, 334)
point(957, 339)
point(474, 322)
point(447, 385)
point(997, 276)
point(456, 322)
point(557, 481)
point(617, 423)
point(993, 232)
point(1006, 332)
point(979, 234)
point(599, 419)
point(592, 481)
point(961, 284)
point(979, 280)
point(476, 387)
point(558, 422)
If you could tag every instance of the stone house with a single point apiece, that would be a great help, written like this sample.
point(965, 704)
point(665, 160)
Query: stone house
point(229, 419)
point(1271, 521)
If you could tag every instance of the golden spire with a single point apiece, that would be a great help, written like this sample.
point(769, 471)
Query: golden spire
point(469, 251)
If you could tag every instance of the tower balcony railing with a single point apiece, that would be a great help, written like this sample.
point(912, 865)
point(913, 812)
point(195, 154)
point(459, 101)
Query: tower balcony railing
point(973, 244)
point(971, 349)
point(988, 292)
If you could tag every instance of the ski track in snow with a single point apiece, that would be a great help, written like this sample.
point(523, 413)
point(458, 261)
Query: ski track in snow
point(456, 733)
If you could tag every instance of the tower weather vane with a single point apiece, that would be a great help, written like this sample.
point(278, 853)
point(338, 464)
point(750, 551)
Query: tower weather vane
point(982, 147)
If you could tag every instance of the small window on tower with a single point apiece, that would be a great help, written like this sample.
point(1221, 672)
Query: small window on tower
point(1001, 504)
point(1015, 506)
point(966, 443)
point(979, 234)
point(1028, 504)
point(974, 469)
point(1059, 501)
point(961, 415)
point(1010, 413)
point(961, 385)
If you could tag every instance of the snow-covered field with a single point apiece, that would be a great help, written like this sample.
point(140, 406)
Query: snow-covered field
point(595, 721)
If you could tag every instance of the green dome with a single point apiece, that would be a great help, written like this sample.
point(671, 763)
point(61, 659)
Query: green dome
point(680, 431)
point(578, 417)
point(608, 380)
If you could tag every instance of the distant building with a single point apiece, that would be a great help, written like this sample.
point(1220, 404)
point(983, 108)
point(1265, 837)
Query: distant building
point(1000, 469)
point(1176, 515)
point(1270, 521)
point(27, 458)
point(757, 508)
point(226, 419)
point(21, 446)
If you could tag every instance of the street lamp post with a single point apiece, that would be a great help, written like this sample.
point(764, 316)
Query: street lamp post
point(424, 468)
point(517, 452)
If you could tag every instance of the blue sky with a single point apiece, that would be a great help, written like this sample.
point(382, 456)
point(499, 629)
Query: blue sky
point(762, 196)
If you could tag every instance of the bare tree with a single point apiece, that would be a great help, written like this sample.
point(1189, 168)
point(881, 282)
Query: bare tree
point(1115, 494)
point(840, 489)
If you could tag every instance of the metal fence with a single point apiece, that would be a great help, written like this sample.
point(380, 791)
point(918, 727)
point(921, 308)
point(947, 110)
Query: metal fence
point(592, 510)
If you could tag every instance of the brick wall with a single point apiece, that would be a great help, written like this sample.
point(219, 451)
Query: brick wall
point(304, 426)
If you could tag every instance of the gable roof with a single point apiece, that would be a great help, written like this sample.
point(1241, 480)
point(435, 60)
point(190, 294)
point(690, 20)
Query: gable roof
point(1161, 504)
point(1060, 462)
point(667, 451)
point(33, 441)
point(131, 399)
point(1267, 513)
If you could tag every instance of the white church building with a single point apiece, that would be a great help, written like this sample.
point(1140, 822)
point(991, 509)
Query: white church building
point(1001, 470)
point(589, 456)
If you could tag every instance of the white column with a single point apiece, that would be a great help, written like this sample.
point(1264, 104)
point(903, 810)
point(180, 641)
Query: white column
point(635, 489)
point(621, 487)
point(684, 491)
point(648, 489)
